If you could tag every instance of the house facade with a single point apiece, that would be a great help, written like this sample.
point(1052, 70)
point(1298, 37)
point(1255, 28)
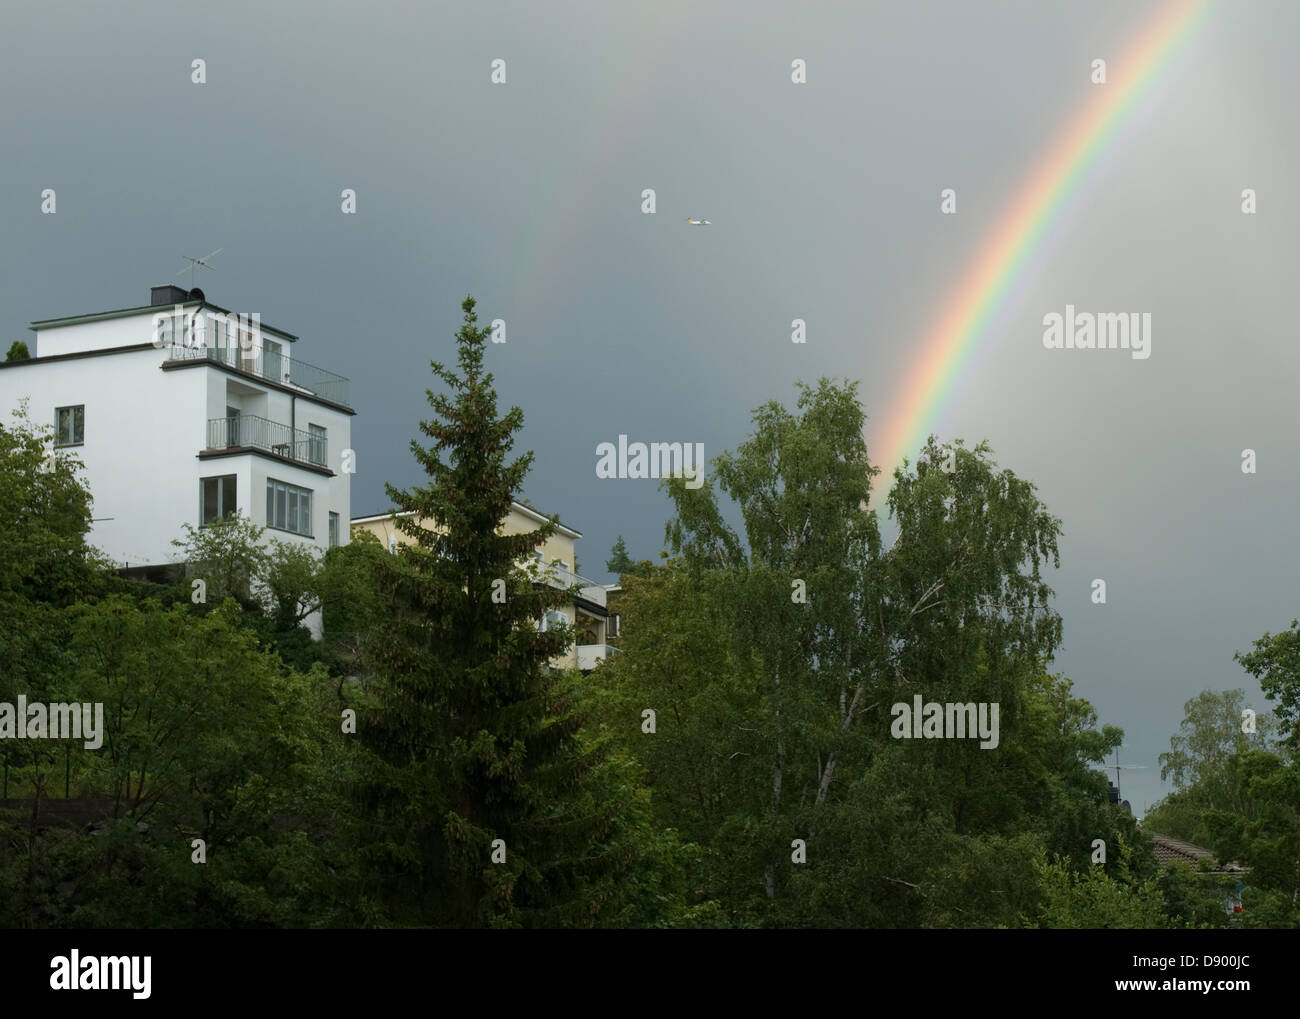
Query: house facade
point(182, 412)
point(554, 563)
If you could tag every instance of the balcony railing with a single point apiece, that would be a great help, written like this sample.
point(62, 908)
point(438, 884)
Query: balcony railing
point(559, 575)
point(591, 655)
point(250, 431)
point(288, 371)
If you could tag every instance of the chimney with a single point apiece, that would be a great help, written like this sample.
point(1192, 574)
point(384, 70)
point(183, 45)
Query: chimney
point(167, 294)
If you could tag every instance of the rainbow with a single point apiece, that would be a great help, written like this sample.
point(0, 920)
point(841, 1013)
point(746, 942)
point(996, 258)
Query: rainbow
point(964, 324)
point(562, 219)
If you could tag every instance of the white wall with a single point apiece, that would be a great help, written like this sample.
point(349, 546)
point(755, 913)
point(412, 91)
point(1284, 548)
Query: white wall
point(140, 327)
point(144, 429)
point(114, 332)
point(140, 447)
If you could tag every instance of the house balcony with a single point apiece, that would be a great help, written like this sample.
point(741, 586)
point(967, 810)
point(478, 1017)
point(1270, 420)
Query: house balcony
point(286, 371)
point(247, 431)
point(559, 575)
point(591, 655)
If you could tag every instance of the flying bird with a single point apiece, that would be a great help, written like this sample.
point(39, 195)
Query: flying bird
point(698, 222)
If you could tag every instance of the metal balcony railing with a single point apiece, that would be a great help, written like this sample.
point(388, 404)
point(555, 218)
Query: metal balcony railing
point(559, 575)
point(250, 431)
point(272, 367)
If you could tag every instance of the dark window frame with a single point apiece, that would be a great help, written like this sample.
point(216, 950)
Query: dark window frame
point(221, 500)
point(78, 437)
point(274, 504)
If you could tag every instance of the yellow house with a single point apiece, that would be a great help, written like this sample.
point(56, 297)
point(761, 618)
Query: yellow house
point(554, 562)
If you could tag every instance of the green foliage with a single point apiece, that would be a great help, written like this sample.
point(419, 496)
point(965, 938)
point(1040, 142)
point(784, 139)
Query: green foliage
point(624, 565)
point(1179, 815)
point(227, 556)
point(1203, 762)
point(770, 655)
point(206, 734)
point(1265, 836)
point(206, 737)
point(279, 584)
point(1239, 793)
point(45, 566)
point(619, 561)
point(469, 739)
point(771, 659)
point(45, 510)
point(1210, 734)
point(351, 603)
point(1093, 899)
point(17, 351)
point(1275, 662)
point(1195, 899)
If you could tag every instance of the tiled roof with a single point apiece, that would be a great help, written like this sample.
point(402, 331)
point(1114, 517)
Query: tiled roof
point(1168, 851)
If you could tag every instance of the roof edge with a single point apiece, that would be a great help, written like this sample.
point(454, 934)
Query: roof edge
point(526, 510)
point(103, 316)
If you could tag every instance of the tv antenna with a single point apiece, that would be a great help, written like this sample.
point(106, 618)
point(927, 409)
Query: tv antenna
point(1117, 768)
point(198, 262)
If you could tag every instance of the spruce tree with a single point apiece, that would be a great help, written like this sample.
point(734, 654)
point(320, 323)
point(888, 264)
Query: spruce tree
point(468, 737)
point(619, 561)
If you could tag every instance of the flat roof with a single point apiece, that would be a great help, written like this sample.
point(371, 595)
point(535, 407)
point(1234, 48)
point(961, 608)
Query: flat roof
point(102, 316)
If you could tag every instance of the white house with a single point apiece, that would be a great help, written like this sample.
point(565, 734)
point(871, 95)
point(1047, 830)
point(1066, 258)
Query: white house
point(182, 412)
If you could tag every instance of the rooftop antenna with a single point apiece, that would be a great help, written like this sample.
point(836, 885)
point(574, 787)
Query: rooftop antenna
point(196, 262)
point(1117, 768)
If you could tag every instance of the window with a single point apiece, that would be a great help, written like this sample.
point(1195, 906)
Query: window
point(316, 445)
point(166, 330)
point(553, 618)
point(334, 530)
point(196, 336)
point(216, 498)
point(271, 358)
point(225, 348)
point(288, 507)
point(241, 340)
point(70, 426)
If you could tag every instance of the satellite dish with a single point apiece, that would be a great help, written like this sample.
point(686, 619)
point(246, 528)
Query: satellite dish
point(196, 295)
